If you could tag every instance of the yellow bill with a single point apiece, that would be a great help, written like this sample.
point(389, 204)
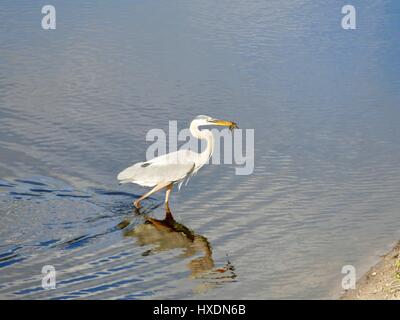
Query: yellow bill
point(230, 124)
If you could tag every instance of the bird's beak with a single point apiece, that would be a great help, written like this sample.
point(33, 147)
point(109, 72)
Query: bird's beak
point(230, 124)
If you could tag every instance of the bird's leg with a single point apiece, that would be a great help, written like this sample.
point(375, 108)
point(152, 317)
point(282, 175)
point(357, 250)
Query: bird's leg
point(167, 194)
point(158, 187)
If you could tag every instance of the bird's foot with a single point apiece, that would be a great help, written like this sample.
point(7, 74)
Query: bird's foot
point(137, 204)
point(168, 214)
point(136, 211)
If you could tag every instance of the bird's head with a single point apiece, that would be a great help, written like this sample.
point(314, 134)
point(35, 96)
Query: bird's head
point(209, 121)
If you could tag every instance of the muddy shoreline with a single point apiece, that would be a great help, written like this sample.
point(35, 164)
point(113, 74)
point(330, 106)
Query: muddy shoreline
point(381, 282)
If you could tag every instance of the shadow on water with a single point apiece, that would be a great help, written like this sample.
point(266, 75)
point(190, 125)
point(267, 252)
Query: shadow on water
point(168, 234)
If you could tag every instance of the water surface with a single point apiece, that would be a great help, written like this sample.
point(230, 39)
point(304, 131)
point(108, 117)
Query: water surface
point(77, 102)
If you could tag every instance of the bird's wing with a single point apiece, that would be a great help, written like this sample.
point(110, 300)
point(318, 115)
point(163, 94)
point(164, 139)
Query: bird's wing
point(171, 167)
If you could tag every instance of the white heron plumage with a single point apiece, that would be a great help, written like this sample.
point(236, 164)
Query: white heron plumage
point(173, 168)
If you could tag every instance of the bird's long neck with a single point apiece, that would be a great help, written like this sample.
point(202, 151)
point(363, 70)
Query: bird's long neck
point(203, 135)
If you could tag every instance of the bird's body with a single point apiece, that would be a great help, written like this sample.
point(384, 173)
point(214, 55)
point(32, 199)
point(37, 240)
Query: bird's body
point(172, 167)
point(166, 170)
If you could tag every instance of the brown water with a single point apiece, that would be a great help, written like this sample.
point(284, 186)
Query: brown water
point(75, 106)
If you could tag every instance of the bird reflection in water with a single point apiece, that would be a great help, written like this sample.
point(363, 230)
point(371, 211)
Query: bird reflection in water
point(168, 234)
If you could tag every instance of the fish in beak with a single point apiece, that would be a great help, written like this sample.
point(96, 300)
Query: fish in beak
point(231, 125)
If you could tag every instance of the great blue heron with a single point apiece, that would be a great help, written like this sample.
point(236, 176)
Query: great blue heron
point(166, 170)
